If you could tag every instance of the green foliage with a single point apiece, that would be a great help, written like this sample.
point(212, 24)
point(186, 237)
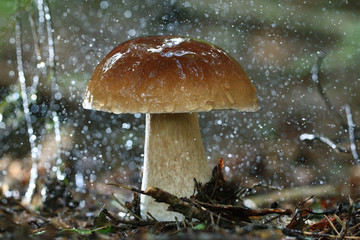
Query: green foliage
point(10, 109)
point(200, 226)
point(332, 27)
point(8, 11)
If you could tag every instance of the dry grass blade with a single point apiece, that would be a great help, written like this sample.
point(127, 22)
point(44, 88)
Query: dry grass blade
point(354, 227)
point(339, 221)
point(332, 225)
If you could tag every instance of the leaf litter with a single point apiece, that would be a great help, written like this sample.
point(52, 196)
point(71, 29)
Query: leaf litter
point(215, 211)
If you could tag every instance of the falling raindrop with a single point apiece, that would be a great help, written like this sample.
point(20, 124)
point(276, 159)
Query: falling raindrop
point(277, 51)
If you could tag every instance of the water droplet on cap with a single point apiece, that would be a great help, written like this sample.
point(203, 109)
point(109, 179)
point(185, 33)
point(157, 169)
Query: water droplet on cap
point(230, 98)
point(226, 85)
point(169, 108)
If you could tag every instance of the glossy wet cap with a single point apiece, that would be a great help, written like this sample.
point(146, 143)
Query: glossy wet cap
point(169, 74)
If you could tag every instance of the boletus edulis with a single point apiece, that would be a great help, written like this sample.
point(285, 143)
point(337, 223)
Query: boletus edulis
point(170, 78)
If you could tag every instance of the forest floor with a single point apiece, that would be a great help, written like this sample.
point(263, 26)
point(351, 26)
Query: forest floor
point(216, 211)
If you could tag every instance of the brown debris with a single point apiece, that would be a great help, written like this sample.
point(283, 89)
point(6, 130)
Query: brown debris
point(298, 221)
point(134, 205)
point(207, 219)
point(206, 204)
point(217, 190)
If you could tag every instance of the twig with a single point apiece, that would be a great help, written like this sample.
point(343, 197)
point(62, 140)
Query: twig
point(123, 206)
point(243, 192)
point(189, 210)
point(332, 225)
point(211, 214)
point(306, 200)
point(126, 187)
point(131, 222)
point(339, 221)
point(354, 227)
point(178, 205)
point(151, 216)
point(198, 187)
point(344, 230)
point(241, 211)
point(315, 72)
point(28, 210)
point(351, 134)
point(329, 142)
point(296, 233)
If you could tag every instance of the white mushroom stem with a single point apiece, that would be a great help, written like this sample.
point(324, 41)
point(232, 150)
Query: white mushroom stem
point(174, 155)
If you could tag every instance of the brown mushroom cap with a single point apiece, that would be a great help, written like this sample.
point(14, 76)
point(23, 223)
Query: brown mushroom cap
point(169, 74)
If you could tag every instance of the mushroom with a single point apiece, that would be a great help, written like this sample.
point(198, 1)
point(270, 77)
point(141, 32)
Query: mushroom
point(170, 78)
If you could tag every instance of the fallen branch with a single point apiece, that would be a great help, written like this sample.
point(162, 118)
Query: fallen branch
point(227, 215)
point(179, 205)
point(176, 204)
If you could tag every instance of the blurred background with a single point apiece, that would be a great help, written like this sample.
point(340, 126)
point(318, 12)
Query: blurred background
point(57, 45)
